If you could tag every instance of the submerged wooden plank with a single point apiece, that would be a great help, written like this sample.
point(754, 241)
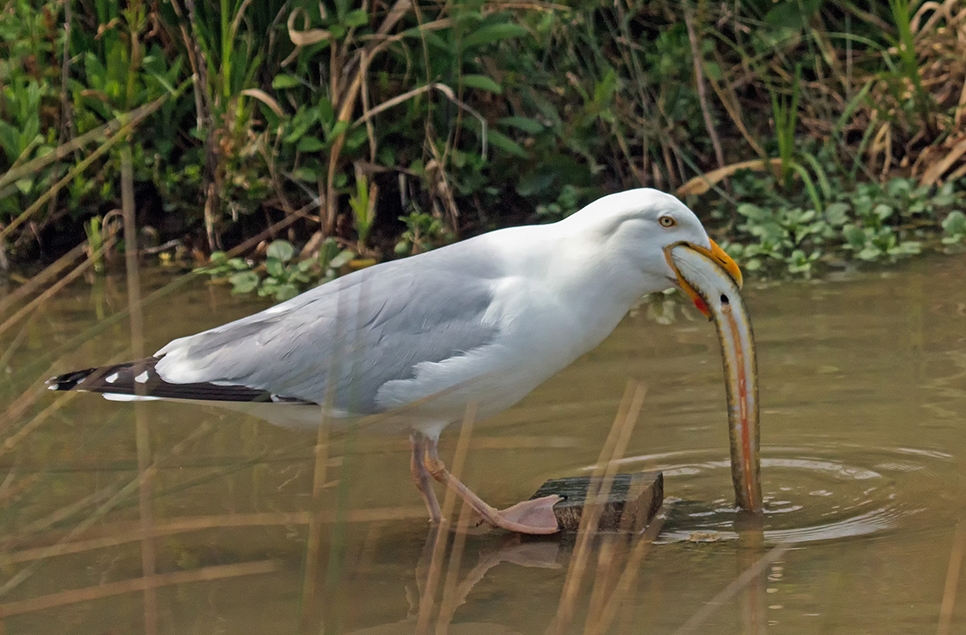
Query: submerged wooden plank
point(631, 504)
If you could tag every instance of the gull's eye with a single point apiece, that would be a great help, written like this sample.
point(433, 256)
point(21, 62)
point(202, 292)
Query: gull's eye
point(667, 221)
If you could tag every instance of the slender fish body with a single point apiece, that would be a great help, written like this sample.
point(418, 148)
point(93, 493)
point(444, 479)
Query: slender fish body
point(708, 283)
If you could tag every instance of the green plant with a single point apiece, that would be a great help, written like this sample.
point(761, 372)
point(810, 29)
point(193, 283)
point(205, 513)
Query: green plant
point(785, 114)
point(28, 100)
point(792, 236)
point(363, 205)
point(954, 228)
point(568, 201)
point(95, 240)
point(284, 279)
point(870, 222)
point(333, 259)
point(227, 43)
point(902, 16)
point(284, 276)
point(100, 230)
point(423, 232)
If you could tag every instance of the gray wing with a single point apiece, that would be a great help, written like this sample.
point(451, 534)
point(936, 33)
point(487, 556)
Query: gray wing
point(350, 336)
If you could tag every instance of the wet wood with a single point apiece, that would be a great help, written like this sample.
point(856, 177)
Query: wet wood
point(631, 504)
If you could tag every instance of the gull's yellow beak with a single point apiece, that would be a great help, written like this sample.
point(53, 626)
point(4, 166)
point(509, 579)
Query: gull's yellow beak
point(717, 254)
point(726, 262)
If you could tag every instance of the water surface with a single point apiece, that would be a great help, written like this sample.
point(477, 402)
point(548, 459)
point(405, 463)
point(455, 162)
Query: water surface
point(863, 392)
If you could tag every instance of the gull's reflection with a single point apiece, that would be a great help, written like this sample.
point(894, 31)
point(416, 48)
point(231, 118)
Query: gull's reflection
point(511, 549)
point(442, 589)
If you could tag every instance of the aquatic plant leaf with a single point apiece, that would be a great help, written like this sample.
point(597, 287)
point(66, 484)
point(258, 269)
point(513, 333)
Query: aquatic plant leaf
point(310, 144)
point(281, 82)
point(482, 82)
point(281, 249)
point(505, 143)
point(274, 267)
point(493, 33)
point(955, 224)
point(244, 282)
point(525, 124)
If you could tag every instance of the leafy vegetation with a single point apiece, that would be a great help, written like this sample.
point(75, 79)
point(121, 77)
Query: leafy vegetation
point(281, 275)
point(820, 131)
point(873, 222)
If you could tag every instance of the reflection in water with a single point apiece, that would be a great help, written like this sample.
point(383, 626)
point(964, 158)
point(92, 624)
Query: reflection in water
point(252, 530)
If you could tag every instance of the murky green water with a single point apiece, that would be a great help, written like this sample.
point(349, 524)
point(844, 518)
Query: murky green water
point(863, 388)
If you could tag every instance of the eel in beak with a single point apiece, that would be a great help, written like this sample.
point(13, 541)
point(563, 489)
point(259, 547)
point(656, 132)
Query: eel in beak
point(712, 280)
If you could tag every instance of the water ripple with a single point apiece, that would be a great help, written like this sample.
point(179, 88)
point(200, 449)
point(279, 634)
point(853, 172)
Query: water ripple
point(810, 493)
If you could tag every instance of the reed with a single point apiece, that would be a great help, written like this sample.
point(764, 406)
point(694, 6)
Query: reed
point(601, 481)
point(74, 596)
point(951, 588)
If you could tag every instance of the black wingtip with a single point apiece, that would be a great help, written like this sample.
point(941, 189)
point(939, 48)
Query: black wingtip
point(69, 381)
point(140, 378)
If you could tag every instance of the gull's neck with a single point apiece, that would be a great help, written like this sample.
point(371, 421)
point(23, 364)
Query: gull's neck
point(589, 276)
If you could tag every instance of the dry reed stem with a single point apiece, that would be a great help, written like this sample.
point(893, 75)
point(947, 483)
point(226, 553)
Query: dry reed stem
point(120, 534)
point(476, 574)
point(597, 492)
point(699, 81)
point(74, 596)
point(66, 512)
point(937, 169)
point(24, 401)
point(743, 580)
point(606, 566)
point(11, 442)
point(370, 129)
point(124, 131)
point(389, 513)
point(17, 341)
point(443, 88)
point(628, 577)
point(7, 480)
point(451, 596)
point(57, 286)
point(520, 442)
point(100, 512)
point(347, 102)
point(36, 281)
point(952, 579)
point(10, 492)
point(14, 439)
point(141, 433)
point(428, 599)
point(193, 53)
point(313, 542)
point(603, 604)
point(28, 397)
point(704, 182)
point(107, 130)
point(733, 108)
point(362, 448)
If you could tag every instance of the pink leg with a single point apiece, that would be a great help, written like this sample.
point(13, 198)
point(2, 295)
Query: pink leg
point(528, 517)
point(422, 477)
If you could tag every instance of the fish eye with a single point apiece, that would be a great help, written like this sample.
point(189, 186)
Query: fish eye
point(667, 221)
